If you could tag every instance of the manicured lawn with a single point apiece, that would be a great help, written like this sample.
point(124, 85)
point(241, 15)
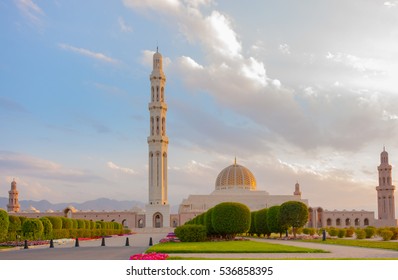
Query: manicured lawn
point(228, 247)
point(5, 247)
point(358, 243)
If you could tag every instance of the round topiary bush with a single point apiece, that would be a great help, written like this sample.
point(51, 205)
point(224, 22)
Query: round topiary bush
point(66, 223)
point(261, 224)
point(230, 218)
point(341, 233)
point(333, 232)
point(191, 233)
point(47, 228)
point(293, 214)
point(81, 224)
point(360, 234)
point(14, 228)
point(4, 223)
point(56, 222)
point(349, 232)
point(370, 232)
point(386, 234)
point(32, 229)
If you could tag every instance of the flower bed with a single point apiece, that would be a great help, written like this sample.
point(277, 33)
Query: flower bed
point(149, 256)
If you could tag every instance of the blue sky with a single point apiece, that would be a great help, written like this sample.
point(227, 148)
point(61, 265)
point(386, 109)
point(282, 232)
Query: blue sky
point(296, 90)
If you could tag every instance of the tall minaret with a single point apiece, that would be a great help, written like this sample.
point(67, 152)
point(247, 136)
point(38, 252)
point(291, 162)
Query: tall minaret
point(13, 204)
point(385, 190)
point(297, 189)
point(158, 209)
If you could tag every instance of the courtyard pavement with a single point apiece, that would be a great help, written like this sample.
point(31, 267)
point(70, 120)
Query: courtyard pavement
point(115, 249)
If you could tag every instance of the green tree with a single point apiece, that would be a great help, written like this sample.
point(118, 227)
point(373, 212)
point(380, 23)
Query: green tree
point(293, 214)
point(32, 229)
point(4, 223)
point(252, 229)
point(273, 220)
point(230, 218)
point(14, 227)
point(261, 222)
point(208, 223)
point(47, 227)
point(56, 222)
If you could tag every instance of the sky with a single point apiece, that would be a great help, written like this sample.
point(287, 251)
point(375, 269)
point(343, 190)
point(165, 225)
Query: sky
point(297, 91)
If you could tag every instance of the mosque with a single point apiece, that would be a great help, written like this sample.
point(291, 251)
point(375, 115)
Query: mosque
point(234, 183)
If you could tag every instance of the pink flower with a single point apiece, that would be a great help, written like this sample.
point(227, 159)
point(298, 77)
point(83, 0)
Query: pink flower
point(149, 256)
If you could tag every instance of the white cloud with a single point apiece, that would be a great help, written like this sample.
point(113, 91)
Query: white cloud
point(124, 27)
point(391, 4)
point(284, 48)
point(355, 62)
point(126, 170)
point(30, 10)
point(88, 53)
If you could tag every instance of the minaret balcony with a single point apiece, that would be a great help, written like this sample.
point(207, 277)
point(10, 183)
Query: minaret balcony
point(157, 105)
point(157, 139)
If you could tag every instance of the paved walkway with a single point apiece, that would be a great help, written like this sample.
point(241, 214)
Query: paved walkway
point(114, 249)
point(335, 251)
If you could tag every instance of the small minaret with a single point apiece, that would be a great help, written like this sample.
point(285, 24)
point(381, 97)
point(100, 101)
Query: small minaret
point(158, 209)
point(13, 204)
point(297, 189)
point(385, 189)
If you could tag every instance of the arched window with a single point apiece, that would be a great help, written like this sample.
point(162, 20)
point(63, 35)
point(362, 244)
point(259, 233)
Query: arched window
point(157, 125)
point(338, 222)
point(162, 94)
point(152, 127)
point(366, 222)
point(384, 180)
point(357, 222)
point(157, 93)
point(163, 126)
point(153, 95)
point(347, 222)
point(329, 222)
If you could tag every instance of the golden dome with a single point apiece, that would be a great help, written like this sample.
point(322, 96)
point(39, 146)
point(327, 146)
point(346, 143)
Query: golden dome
point(235, 176)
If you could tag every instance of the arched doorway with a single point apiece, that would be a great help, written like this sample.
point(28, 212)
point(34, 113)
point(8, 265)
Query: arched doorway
point(157, 220)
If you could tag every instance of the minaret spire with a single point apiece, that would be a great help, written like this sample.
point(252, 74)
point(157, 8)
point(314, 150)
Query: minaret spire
point(158, 209)
point(385, 189)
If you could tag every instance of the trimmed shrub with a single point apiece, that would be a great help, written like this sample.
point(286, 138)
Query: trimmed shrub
point(333, 232)
point(66, 223)
point(191, 233)
point(74, 223)
point(261, 224)
point(81, 224)
point(230, 218)
point(15, 223)
point(273, 220)
point(341, 233)
point(386, 234)
point(32, 229)
point(47, 228)
point(394, 233)
point(87, 224)
point(4, 223)
point(56, 222)
point(370, 232)
point(360, 234)
point(252, 229)
point(208, 223)
point(349, 232)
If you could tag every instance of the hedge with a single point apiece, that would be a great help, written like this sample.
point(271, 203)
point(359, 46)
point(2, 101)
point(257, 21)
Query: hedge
point(47, 228)
point(4, 223)
point(386, 234)
point(191, 233)
point(32, 229)
point(56, 222)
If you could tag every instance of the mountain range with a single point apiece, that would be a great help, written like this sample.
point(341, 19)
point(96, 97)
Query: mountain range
point(100, 204)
